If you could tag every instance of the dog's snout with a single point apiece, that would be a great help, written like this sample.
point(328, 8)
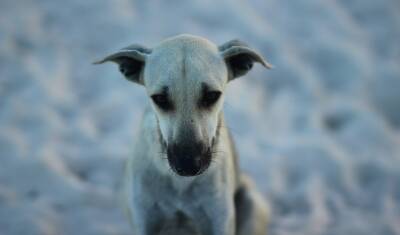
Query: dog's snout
point(186, 149)
point(188, 159)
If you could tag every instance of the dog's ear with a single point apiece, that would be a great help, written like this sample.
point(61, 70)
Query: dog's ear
point(239, 58)
point(131, 61)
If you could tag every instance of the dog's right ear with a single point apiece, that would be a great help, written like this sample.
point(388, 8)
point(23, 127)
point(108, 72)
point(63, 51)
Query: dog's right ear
point(131, 61)
point(239, 58)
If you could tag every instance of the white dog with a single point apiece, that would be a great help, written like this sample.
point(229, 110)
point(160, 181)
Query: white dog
point(183, 177)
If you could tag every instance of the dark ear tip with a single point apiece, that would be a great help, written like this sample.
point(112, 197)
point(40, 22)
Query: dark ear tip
point(266, 64)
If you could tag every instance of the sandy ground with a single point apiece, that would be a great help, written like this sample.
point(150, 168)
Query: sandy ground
point(319, 133)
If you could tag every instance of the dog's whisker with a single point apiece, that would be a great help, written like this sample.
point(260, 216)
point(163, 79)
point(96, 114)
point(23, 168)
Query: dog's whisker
point(228, 105)
point(219, 153)
point(233, 131)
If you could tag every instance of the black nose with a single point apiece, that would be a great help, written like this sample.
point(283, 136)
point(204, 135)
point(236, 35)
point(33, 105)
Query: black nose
point(188, 159)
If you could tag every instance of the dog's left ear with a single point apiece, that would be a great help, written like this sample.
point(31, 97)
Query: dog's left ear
point(239, 58)
point(131, 61)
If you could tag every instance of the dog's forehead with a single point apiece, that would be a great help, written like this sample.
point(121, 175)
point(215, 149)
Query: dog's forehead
point(185, 61)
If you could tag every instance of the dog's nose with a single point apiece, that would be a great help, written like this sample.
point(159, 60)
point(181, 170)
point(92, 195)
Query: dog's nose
point(188, 159)
point(187, 166)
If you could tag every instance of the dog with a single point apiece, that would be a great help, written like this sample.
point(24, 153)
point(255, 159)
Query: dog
point(183, 177)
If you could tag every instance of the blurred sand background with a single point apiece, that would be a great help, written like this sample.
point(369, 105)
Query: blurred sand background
point(319, 133)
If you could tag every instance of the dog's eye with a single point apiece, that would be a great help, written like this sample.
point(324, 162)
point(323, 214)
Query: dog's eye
point(209, 98)
point(162, 101)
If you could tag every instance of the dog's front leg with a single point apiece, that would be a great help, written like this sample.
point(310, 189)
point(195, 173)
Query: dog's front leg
point(220, 218)
point(146, 219)
point(224, 222)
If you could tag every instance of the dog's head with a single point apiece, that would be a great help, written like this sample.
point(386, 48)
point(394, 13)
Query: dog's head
point(185, 77)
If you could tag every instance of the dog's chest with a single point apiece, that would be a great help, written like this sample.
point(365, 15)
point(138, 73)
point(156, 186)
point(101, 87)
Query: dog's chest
point(173, 193)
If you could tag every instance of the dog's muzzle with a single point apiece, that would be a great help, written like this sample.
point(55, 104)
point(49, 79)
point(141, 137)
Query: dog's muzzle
point(189, 159)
